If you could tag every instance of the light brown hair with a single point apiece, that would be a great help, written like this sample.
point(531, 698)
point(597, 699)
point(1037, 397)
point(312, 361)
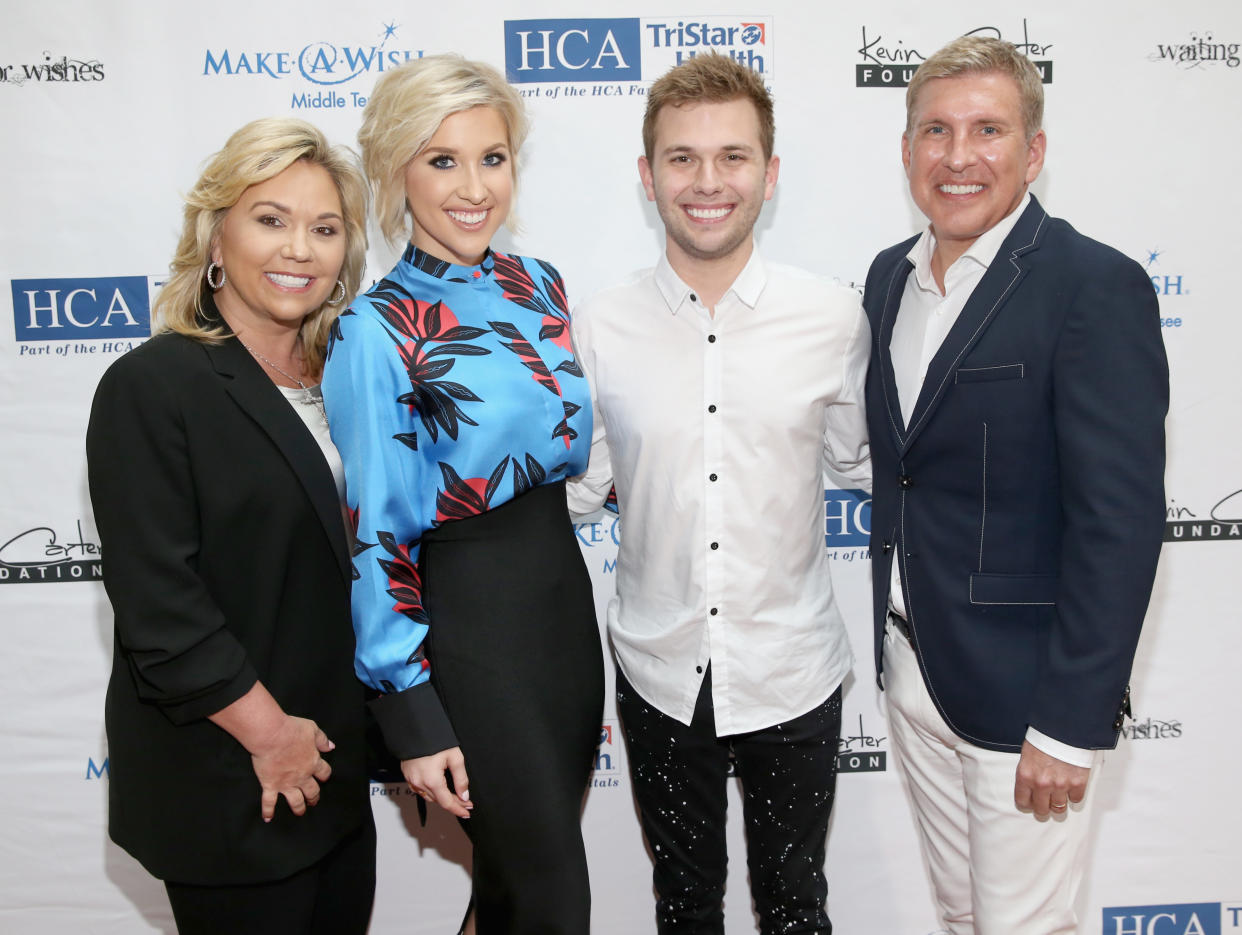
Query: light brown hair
point(709, 78)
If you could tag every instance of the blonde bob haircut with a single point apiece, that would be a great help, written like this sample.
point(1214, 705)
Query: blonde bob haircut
point(257, 152)
point(978, 55)
point(405, 109)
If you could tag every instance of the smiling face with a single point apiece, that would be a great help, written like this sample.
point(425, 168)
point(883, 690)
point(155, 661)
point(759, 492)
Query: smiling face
point(460, 187)
point(967, 157)
point(281, 246)
point(709, 178)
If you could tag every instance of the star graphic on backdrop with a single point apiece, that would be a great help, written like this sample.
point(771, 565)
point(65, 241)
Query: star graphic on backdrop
point(1152, 256)
point(390, 30)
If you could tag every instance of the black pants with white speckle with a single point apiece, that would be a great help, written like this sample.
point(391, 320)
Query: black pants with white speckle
point(788, 775)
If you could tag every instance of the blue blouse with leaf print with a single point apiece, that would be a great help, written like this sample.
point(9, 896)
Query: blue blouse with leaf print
point(449, 390)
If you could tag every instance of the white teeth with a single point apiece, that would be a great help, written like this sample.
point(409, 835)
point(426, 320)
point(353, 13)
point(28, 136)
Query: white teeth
point(708, 214)
point(291, 282)
point(468, 217)
point(961, 189)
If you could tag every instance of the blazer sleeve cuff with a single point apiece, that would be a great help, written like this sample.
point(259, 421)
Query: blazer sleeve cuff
point(218, 697)
point(414, 722)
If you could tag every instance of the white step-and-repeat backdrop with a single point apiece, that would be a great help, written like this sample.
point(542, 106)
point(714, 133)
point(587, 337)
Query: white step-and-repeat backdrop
point(108, 111)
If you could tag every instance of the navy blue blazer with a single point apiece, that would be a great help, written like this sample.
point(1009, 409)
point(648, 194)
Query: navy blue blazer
point(1025, 499)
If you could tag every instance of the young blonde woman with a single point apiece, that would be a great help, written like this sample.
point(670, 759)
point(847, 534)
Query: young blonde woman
point(459, 409)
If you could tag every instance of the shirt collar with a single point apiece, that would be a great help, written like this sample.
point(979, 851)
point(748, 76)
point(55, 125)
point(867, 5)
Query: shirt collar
point(424, 262)
point(748, 286)
point(981, 253)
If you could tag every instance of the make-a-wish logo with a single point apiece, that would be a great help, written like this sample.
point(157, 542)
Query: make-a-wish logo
point(54, 69)
point(328, 64)
point(607, 768)
point(40, 556)
point(1173, 919)
point(847, 523)
point(889, 62)
point(1222, 521)
point(604, 533)
point(1200, 51)
point(861, 752)
point(1166, 284)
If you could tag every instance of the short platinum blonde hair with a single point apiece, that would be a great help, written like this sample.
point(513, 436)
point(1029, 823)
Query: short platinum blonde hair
point(405, 109)
point(976, 55)
point(257, 152)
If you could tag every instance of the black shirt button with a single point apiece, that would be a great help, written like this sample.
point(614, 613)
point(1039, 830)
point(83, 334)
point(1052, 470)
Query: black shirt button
point(715, 546)
point(711, 339)
point(698, 669)
point(693, 297)
point(711, 408)
point(713, 611)
point(711, 477)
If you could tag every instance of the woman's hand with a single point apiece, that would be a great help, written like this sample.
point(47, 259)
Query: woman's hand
point(289, 764)
point(285, 751)
point(426, 776)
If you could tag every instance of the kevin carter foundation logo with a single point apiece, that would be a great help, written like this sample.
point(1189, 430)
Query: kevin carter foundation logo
point(888, 58)
point(861, 752)
point(1223, 521)
point(40, 555)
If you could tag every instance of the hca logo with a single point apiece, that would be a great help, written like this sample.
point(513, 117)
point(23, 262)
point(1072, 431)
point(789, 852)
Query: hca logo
point(1173, 919)
point(847, 518)
point(66, 309)
point(572, 50)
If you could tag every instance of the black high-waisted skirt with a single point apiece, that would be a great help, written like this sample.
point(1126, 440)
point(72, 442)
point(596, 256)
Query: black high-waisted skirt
point(515, 657)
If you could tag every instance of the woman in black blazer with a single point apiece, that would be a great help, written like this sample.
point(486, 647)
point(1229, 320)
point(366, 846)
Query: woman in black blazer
point(217, 496)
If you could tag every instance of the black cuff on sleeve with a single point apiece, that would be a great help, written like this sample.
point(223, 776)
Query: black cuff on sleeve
point(414, 722)
point(219, 696)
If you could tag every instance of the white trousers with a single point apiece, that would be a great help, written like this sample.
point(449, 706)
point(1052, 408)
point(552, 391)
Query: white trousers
point(994, 870)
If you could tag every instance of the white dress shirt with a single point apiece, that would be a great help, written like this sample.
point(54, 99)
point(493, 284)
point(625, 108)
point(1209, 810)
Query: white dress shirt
point(716, 431)
point(922, 324)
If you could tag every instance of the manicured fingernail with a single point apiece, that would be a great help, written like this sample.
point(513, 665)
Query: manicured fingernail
point(465, 796)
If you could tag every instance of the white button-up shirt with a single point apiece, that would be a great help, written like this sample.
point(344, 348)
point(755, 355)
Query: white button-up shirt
point(922, 324)
point(716, 432)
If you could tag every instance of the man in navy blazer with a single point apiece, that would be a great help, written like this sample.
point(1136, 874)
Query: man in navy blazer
point(1016, 404)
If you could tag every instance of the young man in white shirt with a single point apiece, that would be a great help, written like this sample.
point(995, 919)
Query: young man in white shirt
point(723, 386)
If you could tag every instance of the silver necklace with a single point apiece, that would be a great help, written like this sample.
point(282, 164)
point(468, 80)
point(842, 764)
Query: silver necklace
point(307, 396)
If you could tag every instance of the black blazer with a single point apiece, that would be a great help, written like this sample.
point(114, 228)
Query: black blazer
point(225, 558)
point(1025, 499)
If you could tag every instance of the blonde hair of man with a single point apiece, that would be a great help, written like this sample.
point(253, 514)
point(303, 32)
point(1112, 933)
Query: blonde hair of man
point(405, 109)
point(979, 55)
point(257, 152)
point(714, 79)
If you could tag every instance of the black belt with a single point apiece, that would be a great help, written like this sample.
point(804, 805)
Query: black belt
point(900, 624)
